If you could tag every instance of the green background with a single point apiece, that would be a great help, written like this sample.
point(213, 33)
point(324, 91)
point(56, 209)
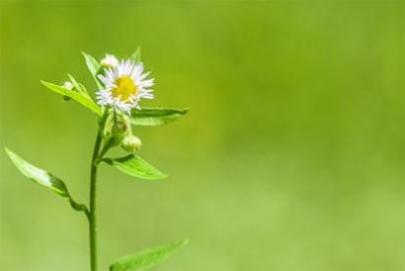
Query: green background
point(292, 157)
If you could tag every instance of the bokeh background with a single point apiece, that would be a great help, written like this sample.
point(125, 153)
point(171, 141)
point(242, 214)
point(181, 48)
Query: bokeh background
point(292, 157)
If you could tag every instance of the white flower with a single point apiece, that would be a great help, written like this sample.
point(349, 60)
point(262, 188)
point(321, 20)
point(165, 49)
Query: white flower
point(109, 61)
point(124, 85)
point(68, 85)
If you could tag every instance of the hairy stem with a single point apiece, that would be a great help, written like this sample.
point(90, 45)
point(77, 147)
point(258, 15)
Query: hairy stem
point(93, 203)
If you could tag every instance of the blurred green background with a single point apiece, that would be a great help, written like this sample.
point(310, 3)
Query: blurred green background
point(291, 158)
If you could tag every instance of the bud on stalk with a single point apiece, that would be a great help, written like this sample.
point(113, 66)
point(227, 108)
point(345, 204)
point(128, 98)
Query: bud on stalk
point(131, 143)
point(117, 126)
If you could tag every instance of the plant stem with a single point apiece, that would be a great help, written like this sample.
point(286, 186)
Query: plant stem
point(93, 203)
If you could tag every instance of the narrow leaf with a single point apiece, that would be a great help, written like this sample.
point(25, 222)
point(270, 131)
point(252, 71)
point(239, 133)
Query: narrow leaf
point(78, 97)
point(38, 175)
point(155, 116)
point(44, 178)
point(147, 258)
point(94, 66)
point(135, 166)
point(136, 56)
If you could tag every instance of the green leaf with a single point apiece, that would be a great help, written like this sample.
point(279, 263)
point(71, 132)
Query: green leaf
point(38, 175)
point(94, 66)
point(136, 56)
point(81, 98)
point(147, 258)
point(44, 178)
point(155, 116)
point(135, 166)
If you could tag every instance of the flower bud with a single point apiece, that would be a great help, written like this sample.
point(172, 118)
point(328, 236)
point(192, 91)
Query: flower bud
point(117, 126)
point(109, 61)
point(68, 85)
point(131, 143)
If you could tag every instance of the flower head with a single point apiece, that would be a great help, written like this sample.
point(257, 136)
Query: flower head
point(124, 86)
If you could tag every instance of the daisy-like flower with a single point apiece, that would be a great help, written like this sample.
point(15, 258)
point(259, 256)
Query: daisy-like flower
point(124, 86)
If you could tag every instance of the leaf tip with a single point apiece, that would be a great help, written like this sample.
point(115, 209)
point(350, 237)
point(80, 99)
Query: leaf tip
point(12, 155)
point(8, 151)
point(47, 84)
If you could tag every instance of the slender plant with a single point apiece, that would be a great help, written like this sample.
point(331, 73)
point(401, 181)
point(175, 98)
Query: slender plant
point(121, 84)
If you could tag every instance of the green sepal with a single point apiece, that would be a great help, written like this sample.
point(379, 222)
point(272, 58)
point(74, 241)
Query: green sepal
point(135, 166)
point(44, 178)
point(79, 97)
point(155, 116)
point(148, 258)
point(94, 67)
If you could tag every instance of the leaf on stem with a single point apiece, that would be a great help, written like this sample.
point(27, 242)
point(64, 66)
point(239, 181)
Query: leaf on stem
point(147, 258)
point(45, 179)
point(135, 166)
point(155, 116)
point(136, 56)
point(79, 97)
point(93, 66)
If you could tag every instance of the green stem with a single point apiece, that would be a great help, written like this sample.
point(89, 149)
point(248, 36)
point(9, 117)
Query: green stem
point(92, 215)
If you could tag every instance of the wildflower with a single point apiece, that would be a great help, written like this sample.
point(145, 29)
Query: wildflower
point(124, 86)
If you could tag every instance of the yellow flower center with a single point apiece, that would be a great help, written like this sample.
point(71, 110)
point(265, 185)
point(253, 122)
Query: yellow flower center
point(126, 88)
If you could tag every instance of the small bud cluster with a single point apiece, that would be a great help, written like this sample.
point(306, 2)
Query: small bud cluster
point(117, 131)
